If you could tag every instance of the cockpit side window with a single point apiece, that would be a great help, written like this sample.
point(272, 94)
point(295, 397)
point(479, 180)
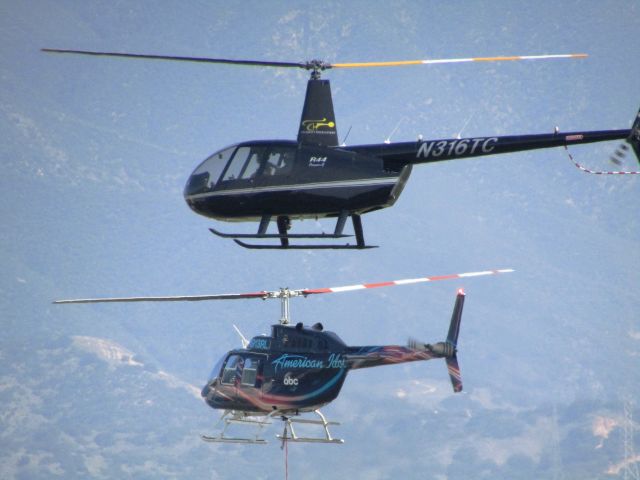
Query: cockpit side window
point(229, 373)
point(252, 165)
point(250, 372)
point(235, 167)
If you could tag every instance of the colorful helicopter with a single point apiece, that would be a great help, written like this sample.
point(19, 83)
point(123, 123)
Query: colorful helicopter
point(315, 177)
point(299, 369)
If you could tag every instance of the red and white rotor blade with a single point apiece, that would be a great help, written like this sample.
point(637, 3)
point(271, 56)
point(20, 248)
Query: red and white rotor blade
point(284, 292)
point(408, 281)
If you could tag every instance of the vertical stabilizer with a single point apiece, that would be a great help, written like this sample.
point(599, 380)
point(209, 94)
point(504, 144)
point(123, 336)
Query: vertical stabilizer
point(634, 137)
point(318, 122)
point(456, 317)
point(452, 339)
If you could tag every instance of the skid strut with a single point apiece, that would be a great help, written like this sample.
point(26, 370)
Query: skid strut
point(289, 433)
point(231, 417)
point(283, 223)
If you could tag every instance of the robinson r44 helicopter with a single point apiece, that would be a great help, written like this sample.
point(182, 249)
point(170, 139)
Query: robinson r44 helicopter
point(298, 369)
point(315, 177)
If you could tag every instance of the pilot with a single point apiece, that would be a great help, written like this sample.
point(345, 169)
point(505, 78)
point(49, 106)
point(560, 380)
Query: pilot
point(278, 163)
point(239, 369)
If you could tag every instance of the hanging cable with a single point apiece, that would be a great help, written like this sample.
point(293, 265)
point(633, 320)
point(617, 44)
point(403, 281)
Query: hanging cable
point(598, 172)
point(285, 448)
point(286, 460)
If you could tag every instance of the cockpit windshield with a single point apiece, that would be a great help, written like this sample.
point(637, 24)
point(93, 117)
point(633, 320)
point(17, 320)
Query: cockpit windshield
point(216, 369)
point(205, 177)
point(242, 163)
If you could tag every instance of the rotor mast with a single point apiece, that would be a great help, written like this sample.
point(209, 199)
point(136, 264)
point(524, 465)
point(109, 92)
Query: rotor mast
point(284, 294)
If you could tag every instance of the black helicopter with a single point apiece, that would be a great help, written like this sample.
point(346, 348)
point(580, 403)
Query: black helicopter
point(298, 369)
point(315, 177)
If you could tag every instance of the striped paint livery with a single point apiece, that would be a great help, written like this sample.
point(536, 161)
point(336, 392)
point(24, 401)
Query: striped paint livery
point(409, 281)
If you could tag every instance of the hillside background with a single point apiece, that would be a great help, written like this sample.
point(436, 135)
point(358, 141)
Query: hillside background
point(95, 154)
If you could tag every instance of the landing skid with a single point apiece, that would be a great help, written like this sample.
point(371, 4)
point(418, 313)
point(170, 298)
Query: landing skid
point(254, 246)
point(276, 235)
point(246, 441)
point(284, 224)
point(231, 417)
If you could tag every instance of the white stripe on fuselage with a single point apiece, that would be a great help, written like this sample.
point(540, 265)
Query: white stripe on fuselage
point(299, 186)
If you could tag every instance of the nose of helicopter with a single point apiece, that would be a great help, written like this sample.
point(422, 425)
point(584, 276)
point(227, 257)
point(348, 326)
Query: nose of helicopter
point(205, 391)
point(208, 393)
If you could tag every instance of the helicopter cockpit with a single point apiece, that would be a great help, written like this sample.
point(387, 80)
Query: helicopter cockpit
point(215, 372)
point(242, 163)
point(235, 370)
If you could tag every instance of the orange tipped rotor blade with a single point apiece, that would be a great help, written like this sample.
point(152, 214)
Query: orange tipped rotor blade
point(457, 60)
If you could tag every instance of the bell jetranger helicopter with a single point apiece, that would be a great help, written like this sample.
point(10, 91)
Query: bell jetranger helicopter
point(316, 177)
point(298, 369)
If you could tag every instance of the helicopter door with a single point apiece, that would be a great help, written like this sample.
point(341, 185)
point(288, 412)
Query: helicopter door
point(251, 377)
point(242, 376)
point(231, 375)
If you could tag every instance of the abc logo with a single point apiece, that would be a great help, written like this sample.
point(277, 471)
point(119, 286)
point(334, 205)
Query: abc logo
point(290, 381)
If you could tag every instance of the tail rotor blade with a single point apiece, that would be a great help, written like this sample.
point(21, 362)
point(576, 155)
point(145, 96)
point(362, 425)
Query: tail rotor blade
point(454, 373)
point(456, 318)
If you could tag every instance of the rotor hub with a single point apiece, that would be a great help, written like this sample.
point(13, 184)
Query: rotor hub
point(316, 66)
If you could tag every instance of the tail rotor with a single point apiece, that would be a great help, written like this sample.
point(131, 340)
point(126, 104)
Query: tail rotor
point(634, 137)
point(452, 341)
point(447, 349)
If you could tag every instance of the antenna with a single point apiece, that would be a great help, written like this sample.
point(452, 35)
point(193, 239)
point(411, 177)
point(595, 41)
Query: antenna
point(459, 135)
point(344, 140)
point(243, 339)
point(388, 139)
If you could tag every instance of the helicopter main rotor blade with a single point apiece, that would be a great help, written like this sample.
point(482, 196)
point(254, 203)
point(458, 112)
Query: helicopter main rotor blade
point(182, 298)
point(284, 292)
point(455, 60)
point(408, 281)
point(258, 63)
point(315, 65)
